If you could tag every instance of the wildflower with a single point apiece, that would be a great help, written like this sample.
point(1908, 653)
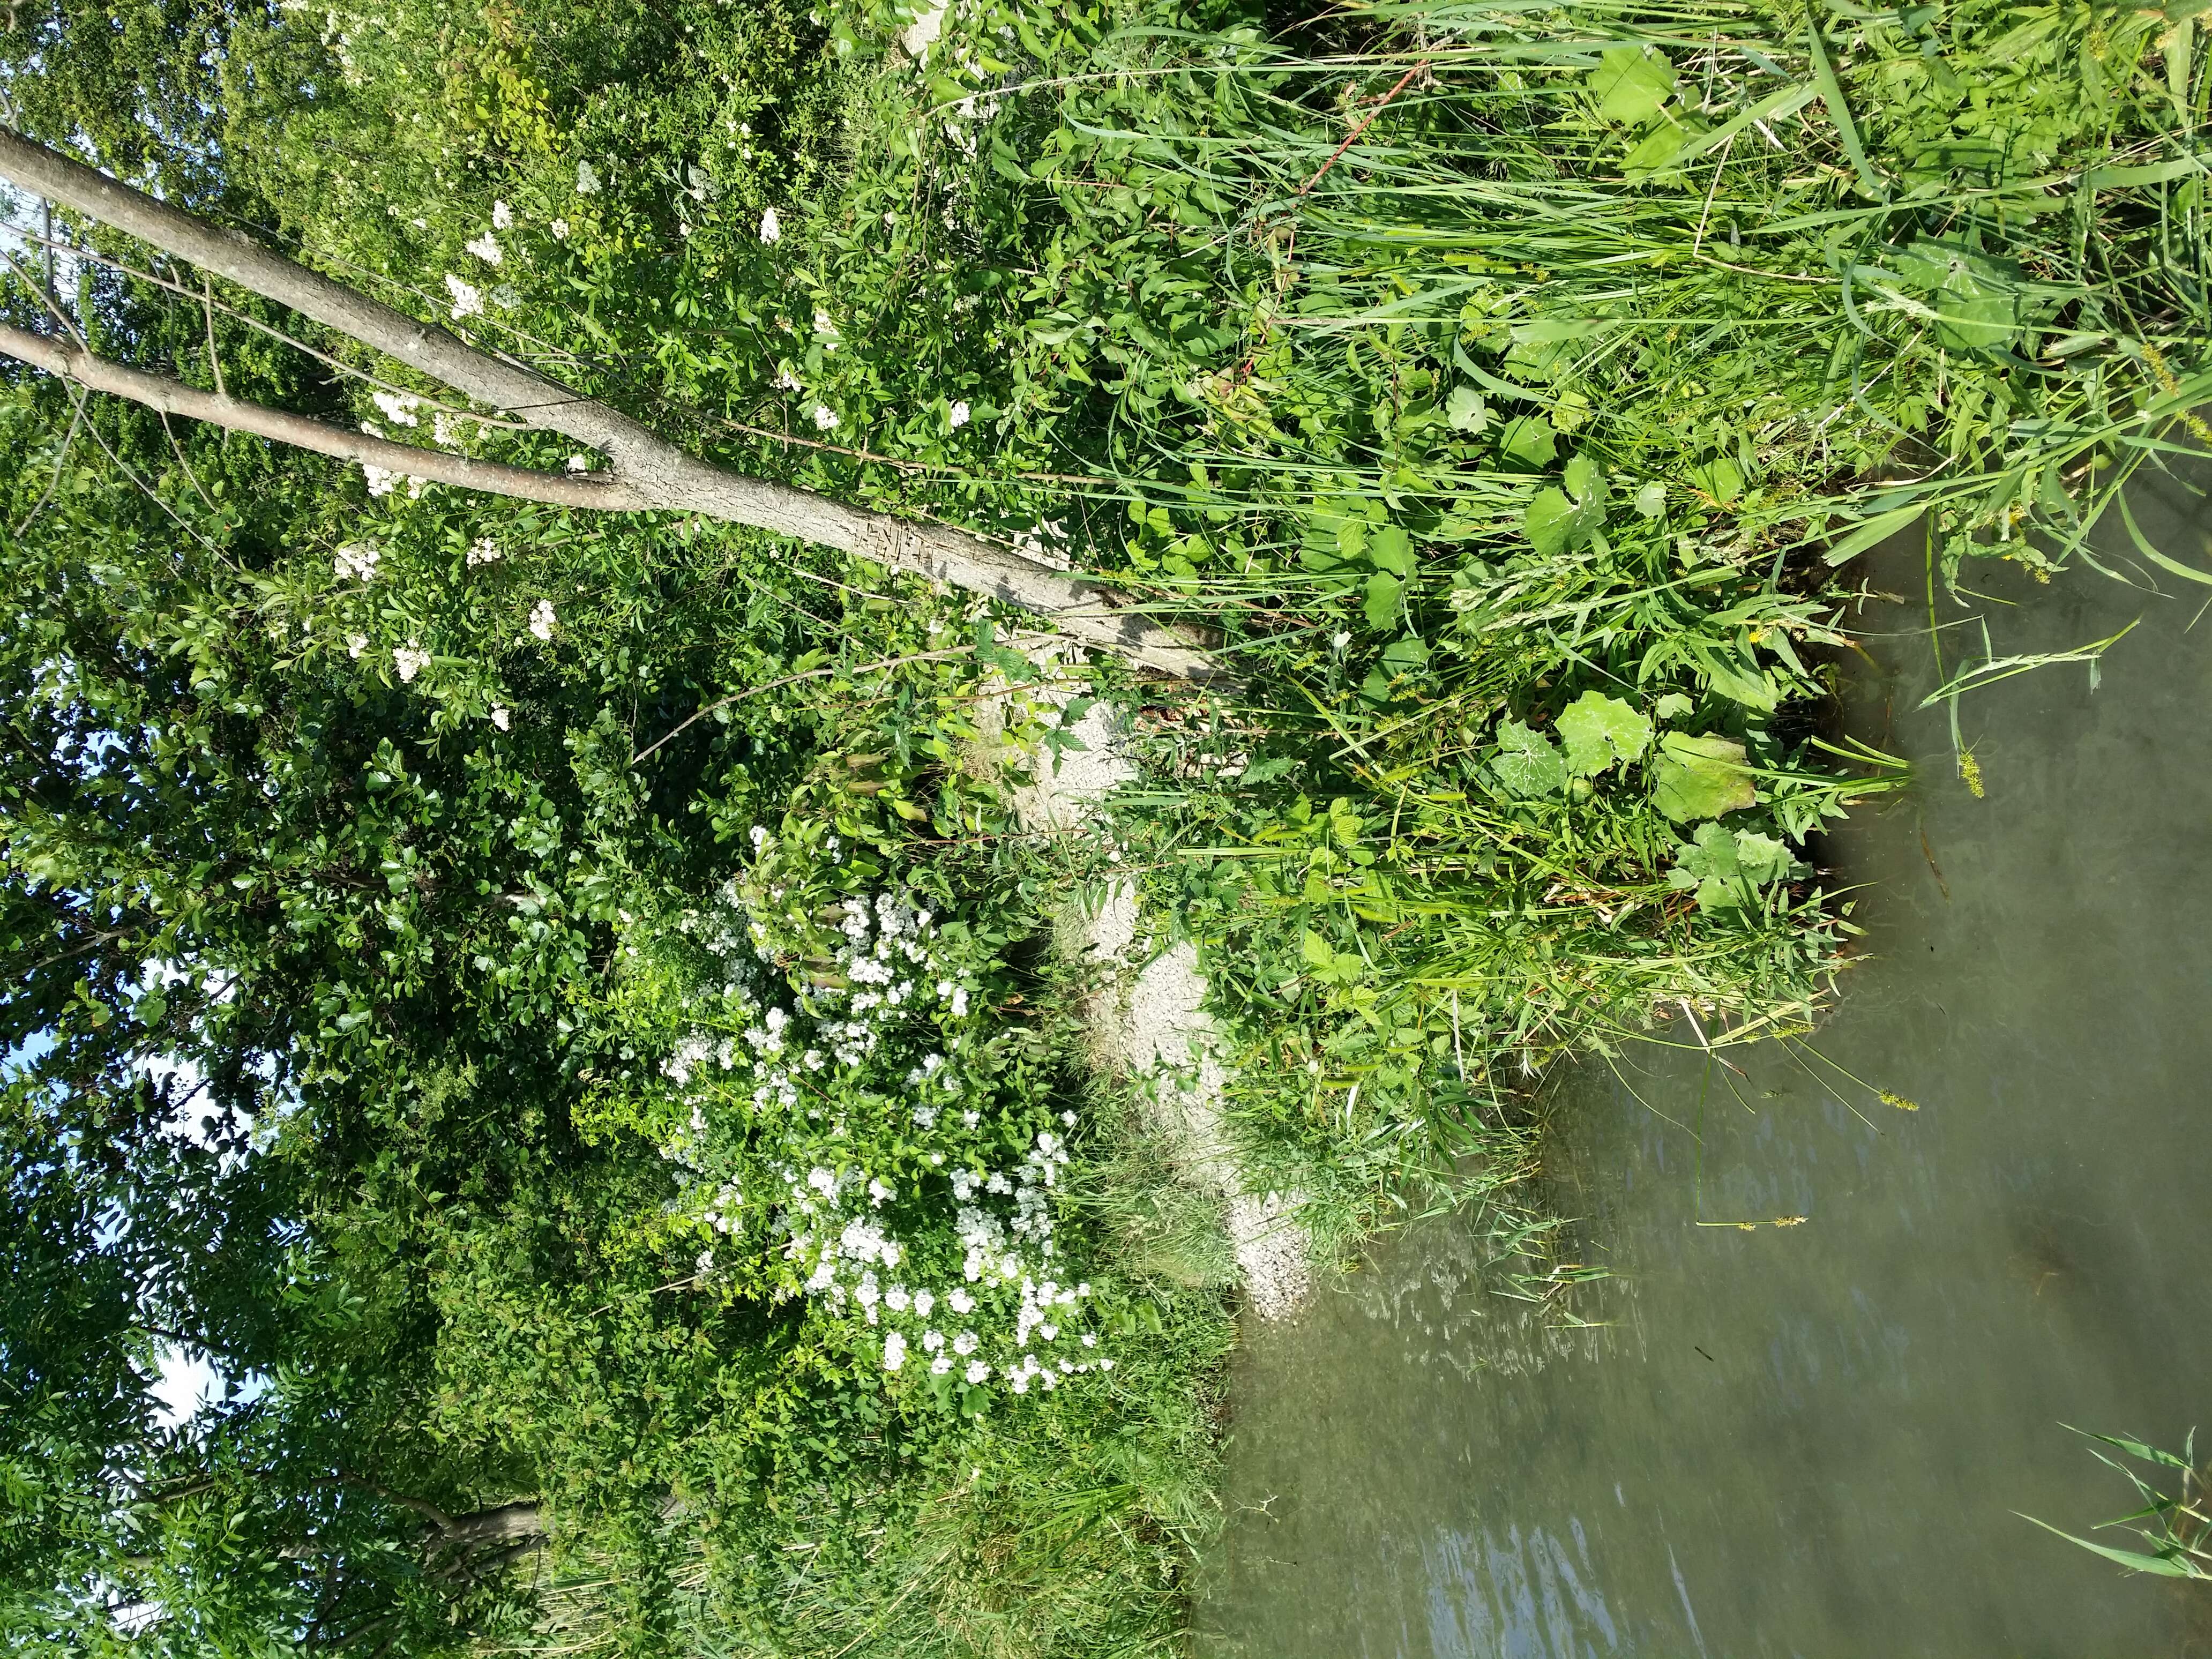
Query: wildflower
point(410, 660)
point(560, 229)
point(923, 1302)
point(966, 1343)
point(577, 464)
point(960, 1302)
point(771, 228)
point(959, 416)
point(397, 406)
point(877, 1193)
point(500, 719)
point(445, 432)
point(587, 180)
point(894, 1351)
point(933, 1340)
point(941, 1364)
point(541, 619)
point(502, 218)
point(787, 382)
point(481, 551)
point(356, 644)
point(976, 1371)
point(379, 480)
point(355, 559)
point(825, 421)
point(468, 299)
point(759, 838)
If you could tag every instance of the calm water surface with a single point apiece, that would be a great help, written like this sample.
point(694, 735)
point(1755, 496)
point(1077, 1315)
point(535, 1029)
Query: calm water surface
point(1813, 1440)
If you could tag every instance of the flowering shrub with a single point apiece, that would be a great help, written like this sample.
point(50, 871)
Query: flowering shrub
point(855, 1128)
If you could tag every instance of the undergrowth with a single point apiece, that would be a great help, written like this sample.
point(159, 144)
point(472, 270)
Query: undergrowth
point(1504, 390)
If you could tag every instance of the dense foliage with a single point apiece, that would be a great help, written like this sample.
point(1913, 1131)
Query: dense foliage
point(558, 1009)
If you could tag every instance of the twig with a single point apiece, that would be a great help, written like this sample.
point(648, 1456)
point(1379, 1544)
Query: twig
point(1350, 138)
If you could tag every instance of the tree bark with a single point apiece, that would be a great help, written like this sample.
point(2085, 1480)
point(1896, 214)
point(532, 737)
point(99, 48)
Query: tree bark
point(645, 470)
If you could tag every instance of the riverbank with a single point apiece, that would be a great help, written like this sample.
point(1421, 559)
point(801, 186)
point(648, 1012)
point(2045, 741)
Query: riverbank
point(1498, 401)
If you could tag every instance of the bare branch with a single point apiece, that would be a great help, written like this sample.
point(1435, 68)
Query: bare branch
point(648, 471)
point(173, 397)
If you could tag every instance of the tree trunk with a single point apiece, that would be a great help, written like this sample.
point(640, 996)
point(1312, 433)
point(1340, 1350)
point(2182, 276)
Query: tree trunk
point(645, 470)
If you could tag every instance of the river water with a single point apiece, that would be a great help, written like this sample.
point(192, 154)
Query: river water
point(1814, 1439)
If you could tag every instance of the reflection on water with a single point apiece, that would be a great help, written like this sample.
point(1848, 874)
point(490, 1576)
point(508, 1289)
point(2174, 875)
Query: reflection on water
point(1814, 1439)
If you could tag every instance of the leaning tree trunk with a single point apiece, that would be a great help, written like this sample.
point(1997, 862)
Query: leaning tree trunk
point(645, 470)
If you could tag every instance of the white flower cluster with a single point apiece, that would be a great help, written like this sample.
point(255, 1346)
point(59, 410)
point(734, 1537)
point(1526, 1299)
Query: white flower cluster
point(355, 560)
point(541, 619)
point(398, 407)
point(840, 1245)
point(834, 1222)
point(483, 551)
point(468, 298)
point(382, 481)
point(410, 660)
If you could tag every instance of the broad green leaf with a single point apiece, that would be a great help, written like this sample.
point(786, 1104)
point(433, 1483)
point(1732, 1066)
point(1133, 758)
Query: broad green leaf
point(1550, 521)
point(1466, 409)
point(1529, 440)
point(1406, 656)
point(1698, 777)
point(1599, 729)
point(1672, 707)
point(1527, 762)
point(1720, 478)
point(1651, 499)
point(1585, 479)
point(1631, 84)
point(1385, 599)
point(1392, 549)
point(1654, 149)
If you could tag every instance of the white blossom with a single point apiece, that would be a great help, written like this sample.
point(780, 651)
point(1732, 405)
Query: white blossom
point(959, 415)
point(379, 480)
point(541, 619)
point(357, 560)
point(771, 228)
point(468, 299)
point(356, 644)
point(587, 180)
point(824, 419)
point(577, 464)
point(486, 249)
point(483, 551)
point(787, 382)
point(499, 717)
point(398, 407)
point(410, 660)
point(502, 216)
point(894, 1351)
point(976, 1371)
point(560, 229)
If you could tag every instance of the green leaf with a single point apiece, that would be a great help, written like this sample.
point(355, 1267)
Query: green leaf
point(1527, 762)
point(1720, 478)
point(1698, 777)
point(1529, 440)
point(1550, 522)
point(1599, 729)
point(1466, 409)
point(1672, 707)
point(1654, 149)
point(1385, 599)
point(1632, 84)
point(1405, 657)
point(1585, 479)
point(1391, 548)
point(1651, 499)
